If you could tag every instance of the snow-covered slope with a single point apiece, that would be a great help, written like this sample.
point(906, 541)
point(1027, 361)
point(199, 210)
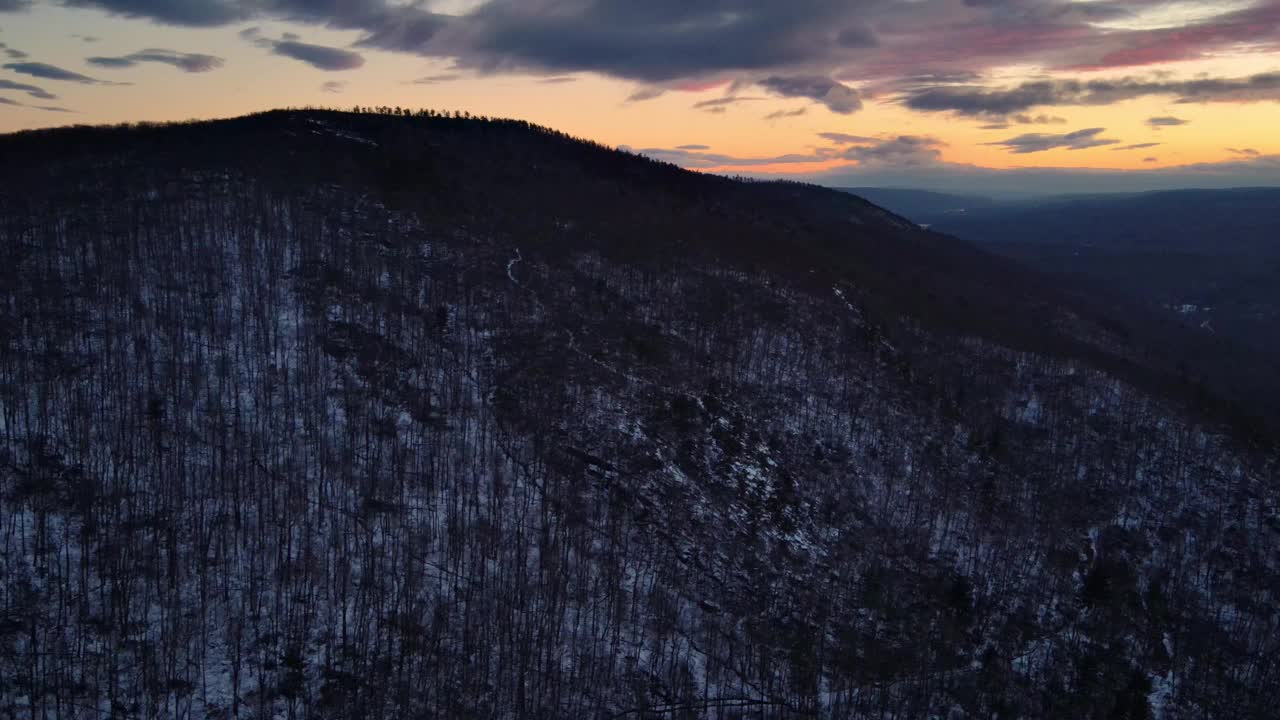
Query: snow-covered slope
point(292, 429)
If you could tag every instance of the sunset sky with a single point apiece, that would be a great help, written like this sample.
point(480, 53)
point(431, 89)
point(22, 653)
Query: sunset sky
point(981, 95)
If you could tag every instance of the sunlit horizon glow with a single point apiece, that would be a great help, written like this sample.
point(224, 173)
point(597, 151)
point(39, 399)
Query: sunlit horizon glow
point(916, 90)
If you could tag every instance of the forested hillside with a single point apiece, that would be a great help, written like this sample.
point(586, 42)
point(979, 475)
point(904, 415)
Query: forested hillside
point(335, 415)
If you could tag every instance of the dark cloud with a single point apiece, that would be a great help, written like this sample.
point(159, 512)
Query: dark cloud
point(718, 105)
point(50, 72)
point(837, 97)
point(187, 62)
point(1022, 119)
point(1166, 121)
point(969, 100)
point(856, 37)
point(656, 40)
point(14, 5)
point(320, 57)
point(435, 79)
point(980, 101)
point(1040, 142)
point(845, 138)
point(782, 114)
point(200, 13)
point(929, 54)
point(31, 90)
point(333, 86)
point(1137, 146)
point(558, 80)
point(46, 108)
point(111, 62)
point(938, 77)
point(645, 93)
point(12, 53)
point(693, 147)
point(388, 24)
point(652, 41)
point(1150, 159)
point(899, 151)
point(1025, 119)
point(932, 50)
point(1247, 152)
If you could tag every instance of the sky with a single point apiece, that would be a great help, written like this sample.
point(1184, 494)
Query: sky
point(987, 96)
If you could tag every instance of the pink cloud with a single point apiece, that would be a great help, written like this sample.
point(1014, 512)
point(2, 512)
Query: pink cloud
point(1259, 25)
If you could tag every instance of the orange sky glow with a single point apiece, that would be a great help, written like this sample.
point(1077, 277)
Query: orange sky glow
point(1168, 85)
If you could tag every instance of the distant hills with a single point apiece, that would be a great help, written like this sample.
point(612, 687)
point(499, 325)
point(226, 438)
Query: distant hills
point(1210, 256)
point(922, 206)
point(1244, 221)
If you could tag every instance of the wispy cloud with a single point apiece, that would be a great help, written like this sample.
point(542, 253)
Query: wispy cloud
point(187, 62)
point(720, 104)
point(783, 114)
point(1025, 119)
point(837, 97)
point(700, 159)
point(320, 57)
point(12, 53)
point(894, 150)
point(645, 93)
point(898, 151)
point(46, 108)
point(52, 72)
point(196, 13)
point(1041, 142)
point(983, 101)
point(840, 138)
point(435, 79)
point(32, 90)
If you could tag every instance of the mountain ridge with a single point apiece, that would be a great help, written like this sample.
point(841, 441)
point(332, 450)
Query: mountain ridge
point(970, 289)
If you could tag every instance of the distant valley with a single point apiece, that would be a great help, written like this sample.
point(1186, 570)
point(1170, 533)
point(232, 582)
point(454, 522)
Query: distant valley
point(1210, 257)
